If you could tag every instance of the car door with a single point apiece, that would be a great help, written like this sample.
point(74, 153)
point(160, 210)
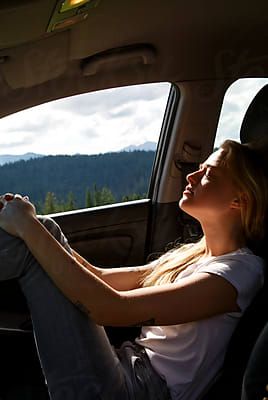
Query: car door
point(117, 234)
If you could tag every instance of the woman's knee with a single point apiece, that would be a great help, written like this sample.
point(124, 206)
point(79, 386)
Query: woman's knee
point(55, 230)
point(51, 226)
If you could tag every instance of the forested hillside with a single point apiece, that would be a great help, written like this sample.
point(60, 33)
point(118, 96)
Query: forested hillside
point(58, 183)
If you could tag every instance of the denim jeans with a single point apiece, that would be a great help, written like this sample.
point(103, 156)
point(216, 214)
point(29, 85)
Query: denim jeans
point(76, 356)
point(256, 376)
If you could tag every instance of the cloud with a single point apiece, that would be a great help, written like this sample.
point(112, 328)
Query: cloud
point(89, 123)
point(27, 127)
point(24, 141)
point(89, 132)
point(36, 120)
point(121, 112)
point(106, 100)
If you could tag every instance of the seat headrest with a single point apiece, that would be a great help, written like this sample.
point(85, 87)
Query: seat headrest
point(255, 122)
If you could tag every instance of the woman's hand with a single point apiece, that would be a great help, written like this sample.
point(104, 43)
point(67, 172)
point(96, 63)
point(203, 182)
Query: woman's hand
point(15, 212)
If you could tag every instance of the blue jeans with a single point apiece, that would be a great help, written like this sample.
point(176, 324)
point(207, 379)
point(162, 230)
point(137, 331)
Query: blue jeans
point(76, 356)
point(256, 376)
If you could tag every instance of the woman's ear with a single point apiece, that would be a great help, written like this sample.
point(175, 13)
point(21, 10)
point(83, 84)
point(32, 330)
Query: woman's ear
point(239, 202)
point(236, 203)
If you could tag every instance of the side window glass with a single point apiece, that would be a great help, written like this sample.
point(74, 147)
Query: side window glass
point(83, 151)
point(236, 101)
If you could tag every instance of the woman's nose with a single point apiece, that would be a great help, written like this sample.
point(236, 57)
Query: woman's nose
point(193, 177)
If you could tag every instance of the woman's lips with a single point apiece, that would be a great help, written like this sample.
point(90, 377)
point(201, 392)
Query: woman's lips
point(188, 191)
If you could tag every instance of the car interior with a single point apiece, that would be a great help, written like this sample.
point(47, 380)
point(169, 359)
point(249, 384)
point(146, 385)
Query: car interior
point(53, 49)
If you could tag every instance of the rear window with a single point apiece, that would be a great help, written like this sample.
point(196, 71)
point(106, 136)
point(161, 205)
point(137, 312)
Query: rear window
point(236, 101)
point(83, 151)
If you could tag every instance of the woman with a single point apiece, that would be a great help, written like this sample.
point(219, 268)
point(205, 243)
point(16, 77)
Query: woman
point(188, 302)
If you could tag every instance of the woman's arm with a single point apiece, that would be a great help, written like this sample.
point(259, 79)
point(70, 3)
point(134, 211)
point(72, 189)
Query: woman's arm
point(122, 278)
point(192, 298)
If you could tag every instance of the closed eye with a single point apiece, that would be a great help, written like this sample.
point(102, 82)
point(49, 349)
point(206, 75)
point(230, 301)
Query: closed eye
point(208, 173)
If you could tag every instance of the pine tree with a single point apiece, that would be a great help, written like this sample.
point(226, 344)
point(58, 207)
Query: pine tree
point(96, 196)
point(39, 206)
point(88, 199)
point(106, 196)
point(133, 196)
point(70, 203)
point(50, 203)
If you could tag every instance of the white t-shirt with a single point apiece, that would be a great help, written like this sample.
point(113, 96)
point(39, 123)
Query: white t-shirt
point(189, 355)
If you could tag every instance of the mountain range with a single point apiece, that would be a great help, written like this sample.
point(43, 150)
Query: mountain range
point(147, 146)
point(11, 158)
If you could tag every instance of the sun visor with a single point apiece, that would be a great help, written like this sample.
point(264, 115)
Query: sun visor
point(31, 65)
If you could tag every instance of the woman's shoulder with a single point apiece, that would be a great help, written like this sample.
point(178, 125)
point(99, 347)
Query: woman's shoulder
point(243, 255)
point(243, 269)
point(241, 266)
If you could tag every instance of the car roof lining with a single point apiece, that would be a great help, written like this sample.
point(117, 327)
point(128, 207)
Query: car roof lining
point(192, 41)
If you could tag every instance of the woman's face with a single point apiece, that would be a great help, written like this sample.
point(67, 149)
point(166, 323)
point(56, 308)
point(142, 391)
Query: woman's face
point(210, 191)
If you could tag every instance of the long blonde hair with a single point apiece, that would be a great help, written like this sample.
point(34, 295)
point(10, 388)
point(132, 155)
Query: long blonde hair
point(249, 174)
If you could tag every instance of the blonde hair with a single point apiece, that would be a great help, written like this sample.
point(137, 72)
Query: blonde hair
point(248, 169)
point(249, 174)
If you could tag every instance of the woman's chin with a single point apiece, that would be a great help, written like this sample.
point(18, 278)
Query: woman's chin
point(185, 206)
point(183, 203)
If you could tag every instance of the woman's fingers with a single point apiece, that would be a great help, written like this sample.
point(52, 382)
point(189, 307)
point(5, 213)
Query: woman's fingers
point(15, 211)
point(9, 196)
point(4, 199)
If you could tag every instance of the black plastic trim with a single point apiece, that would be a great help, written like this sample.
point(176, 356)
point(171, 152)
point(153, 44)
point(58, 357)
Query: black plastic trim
point(163, 143)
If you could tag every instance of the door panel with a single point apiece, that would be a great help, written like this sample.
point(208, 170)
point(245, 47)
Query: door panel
point(112, 235)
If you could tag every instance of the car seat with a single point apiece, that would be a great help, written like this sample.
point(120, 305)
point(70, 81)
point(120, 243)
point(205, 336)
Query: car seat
point(229, 381)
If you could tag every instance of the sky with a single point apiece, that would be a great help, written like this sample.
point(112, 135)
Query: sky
point(110, 120)
point(236, 101)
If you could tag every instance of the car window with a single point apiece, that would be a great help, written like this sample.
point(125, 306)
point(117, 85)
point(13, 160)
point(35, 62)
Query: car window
point(83, 151)
point(236, 101)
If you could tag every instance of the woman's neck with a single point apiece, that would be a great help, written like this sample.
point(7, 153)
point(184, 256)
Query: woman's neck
point(222, 239)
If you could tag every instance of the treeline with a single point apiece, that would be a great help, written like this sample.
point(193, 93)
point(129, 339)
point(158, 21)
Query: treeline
point(61, 183)
point(95, 198)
